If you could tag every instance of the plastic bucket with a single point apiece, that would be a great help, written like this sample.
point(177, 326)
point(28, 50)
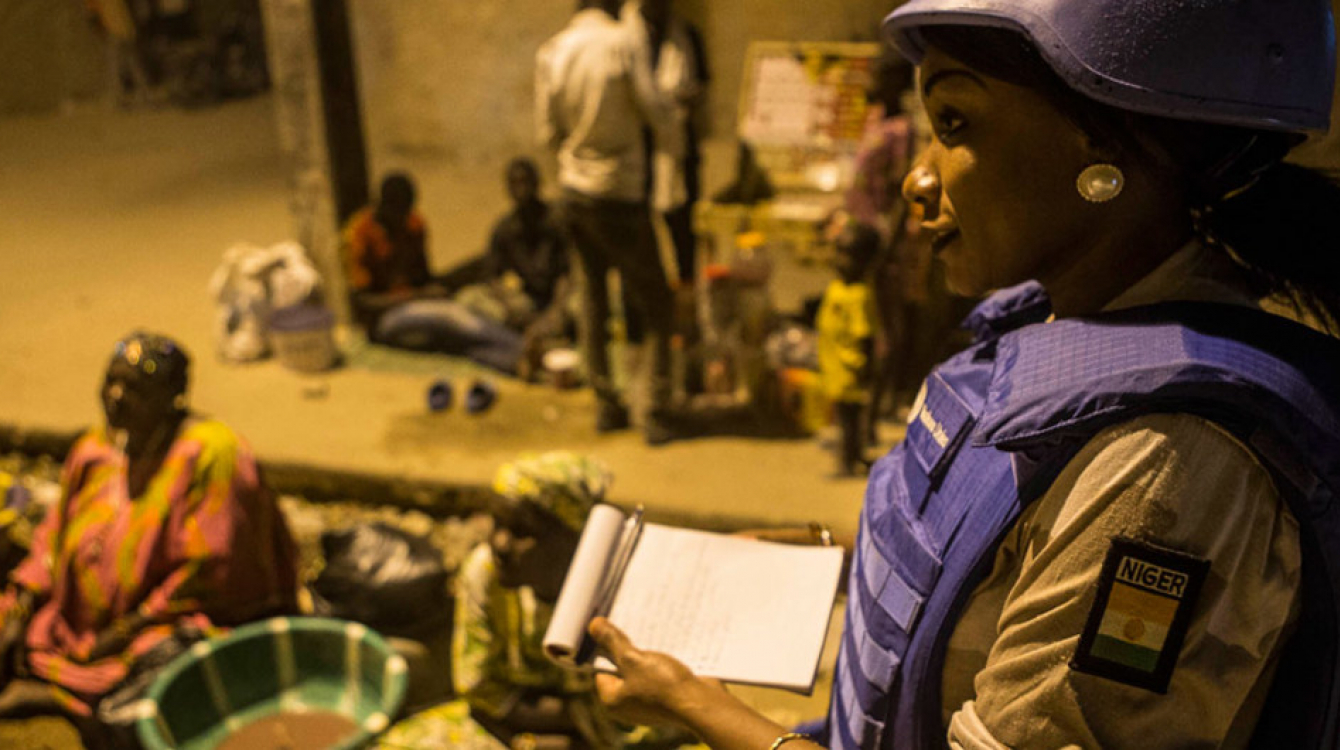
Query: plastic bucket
point(283, 665)
point(302, 337)
point(560, 367)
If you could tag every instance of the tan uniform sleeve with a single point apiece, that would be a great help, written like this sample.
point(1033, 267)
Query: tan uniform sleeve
point(1173, 480)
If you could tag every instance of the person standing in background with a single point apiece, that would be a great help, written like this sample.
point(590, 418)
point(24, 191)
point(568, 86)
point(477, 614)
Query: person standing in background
point(594, 95)
point(845, 332)
point(874, 199)
point(678, 58)
point(127, 81)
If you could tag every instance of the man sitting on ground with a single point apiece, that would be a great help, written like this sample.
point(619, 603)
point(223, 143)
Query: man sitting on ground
point(523, 278)
point(385, 251)
point(394, 296)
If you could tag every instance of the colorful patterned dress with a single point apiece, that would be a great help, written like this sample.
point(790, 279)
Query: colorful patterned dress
point(203, 544)
point(497, 652)
point(497, 658)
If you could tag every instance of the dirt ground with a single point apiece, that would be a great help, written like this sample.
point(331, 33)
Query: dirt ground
point(114, 220)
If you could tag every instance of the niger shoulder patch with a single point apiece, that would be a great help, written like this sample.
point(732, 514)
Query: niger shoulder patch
point(1140, 615)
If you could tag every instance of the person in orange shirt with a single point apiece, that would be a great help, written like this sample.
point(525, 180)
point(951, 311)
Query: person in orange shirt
point(385, 251)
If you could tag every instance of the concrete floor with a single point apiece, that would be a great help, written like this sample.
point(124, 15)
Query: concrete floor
point(114, 220)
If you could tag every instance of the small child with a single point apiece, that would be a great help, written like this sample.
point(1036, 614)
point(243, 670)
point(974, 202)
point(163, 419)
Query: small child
point(845, 335)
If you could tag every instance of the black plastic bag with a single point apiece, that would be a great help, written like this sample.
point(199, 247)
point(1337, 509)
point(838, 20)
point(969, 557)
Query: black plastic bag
point(119, 710)
point(384, 577)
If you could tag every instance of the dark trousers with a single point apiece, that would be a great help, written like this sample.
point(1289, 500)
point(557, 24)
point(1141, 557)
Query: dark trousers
point(851, 450)
point(617, 235)
point(679, 222)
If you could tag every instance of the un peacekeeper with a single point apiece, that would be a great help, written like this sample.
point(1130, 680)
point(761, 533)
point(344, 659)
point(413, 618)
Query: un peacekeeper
point(1113, 520)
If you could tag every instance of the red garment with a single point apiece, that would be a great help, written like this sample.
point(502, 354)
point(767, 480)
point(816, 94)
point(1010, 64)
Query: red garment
point(383, 259)
point(205, 543)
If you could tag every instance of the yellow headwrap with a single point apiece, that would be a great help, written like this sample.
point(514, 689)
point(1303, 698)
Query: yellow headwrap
point(561, 482)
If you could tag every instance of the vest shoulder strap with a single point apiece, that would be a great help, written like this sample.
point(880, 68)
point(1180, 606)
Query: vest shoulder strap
point(1242, 368)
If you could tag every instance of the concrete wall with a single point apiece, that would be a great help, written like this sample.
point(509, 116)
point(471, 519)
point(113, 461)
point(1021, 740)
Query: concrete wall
point(447, 90)
point(449, 77)
point(49, 53)
point(455, 78)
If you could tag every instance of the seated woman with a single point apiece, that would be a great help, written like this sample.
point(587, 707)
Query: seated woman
point(163, 522)
point(505, 593)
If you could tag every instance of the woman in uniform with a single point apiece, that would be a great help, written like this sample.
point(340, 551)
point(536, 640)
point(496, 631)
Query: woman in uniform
point(1112, 521)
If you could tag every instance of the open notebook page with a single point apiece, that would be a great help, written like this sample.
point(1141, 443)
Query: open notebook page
point(737, 609)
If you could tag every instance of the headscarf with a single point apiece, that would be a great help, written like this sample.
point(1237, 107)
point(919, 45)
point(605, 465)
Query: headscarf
point(157, 357)
point(561, 482)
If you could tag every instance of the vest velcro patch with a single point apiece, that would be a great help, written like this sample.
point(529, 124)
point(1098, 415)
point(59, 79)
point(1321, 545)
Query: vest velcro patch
point(1140, 615)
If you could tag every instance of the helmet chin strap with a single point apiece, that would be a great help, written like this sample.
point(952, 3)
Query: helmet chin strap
point(1233, 174)
point(1237, 171)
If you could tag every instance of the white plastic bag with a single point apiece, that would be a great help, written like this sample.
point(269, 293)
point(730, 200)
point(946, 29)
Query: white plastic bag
point(249, 283)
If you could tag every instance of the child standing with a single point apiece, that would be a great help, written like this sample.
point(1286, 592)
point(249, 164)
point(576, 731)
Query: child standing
point(845, 336)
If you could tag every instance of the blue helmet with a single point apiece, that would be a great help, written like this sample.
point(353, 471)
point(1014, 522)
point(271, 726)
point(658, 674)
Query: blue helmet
point(1266, 64)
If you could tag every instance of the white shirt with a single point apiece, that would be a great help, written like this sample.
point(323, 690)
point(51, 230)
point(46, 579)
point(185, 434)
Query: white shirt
point(594, 94)
point(677, 80)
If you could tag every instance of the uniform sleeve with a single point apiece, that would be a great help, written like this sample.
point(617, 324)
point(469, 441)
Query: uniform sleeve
point(1175, 481)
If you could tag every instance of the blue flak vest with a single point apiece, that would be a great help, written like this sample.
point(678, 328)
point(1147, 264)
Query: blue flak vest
point(995, 424)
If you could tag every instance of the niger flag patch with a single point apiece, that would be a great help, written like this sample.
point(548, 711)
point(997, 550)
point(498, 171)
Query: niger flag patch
point(1140, 615)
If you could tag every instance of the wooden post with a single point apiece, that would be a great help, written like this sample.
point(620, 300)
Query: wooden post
point(317, 114)
point(345, 147)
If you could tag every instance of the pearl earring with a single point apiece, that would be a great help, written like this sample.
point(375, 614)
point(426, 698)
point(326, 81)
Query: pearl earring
point(1100, 183)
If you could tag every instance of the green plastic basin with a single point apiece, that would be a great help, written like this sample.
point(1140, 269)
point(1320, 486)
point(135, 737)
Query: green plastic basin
point(268, 667)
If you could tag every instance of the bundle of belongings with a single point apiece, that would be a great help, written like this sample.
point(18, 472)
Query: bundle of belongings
point(251, 283)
